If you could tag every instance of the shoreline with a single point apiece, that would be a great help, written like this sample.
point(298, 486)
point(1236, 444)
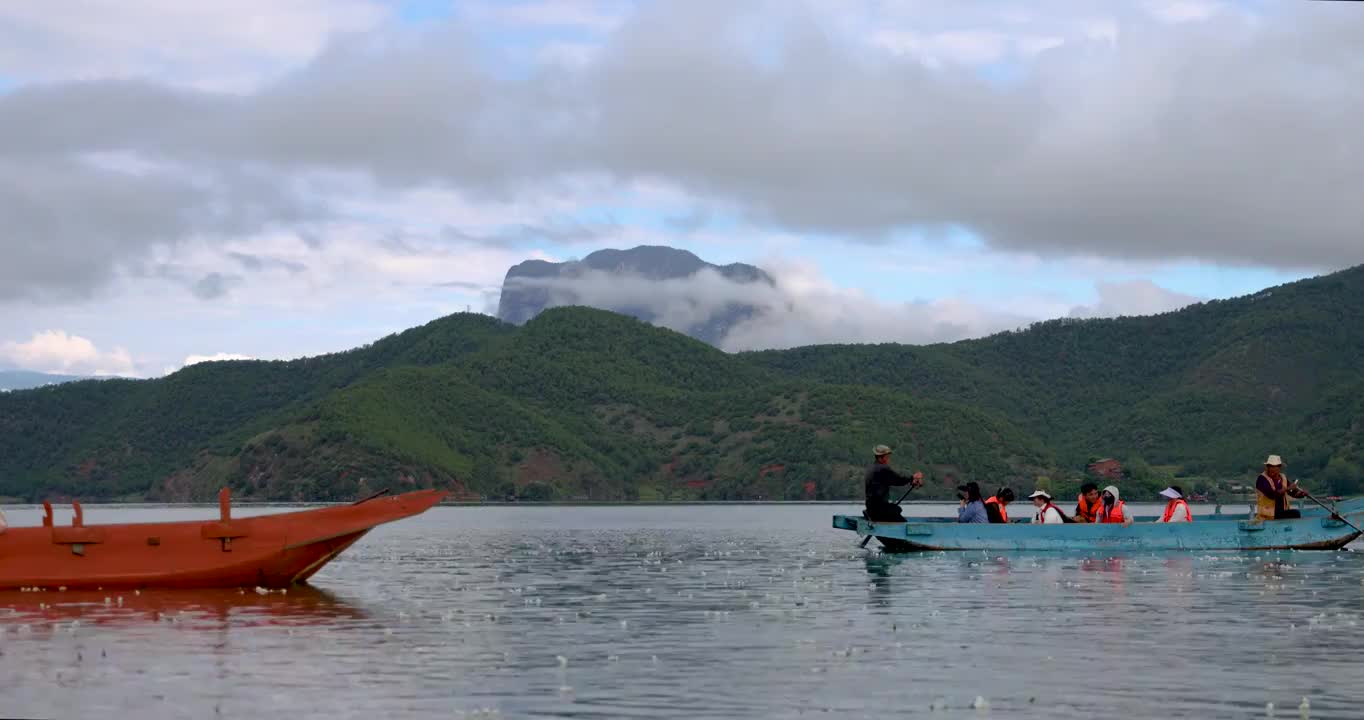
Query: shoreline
point(520, 503)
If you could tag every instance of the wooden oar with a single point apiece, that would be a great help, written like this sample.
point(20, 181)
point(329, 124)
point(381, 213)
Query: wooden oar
point(1333, 512)
point(867, 539)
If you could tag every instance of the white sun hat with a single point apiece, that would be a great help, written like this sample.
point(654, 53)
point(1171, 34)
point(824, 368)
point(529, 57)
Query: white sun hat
point(1171, 493)
point(1274, 460)
point(1040, 493)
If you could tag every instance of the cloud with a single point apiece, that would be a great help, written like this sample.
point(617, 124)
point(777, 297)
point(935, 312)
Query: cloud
point(1133, 297)
point(55, 351)
point(225, 44)
point(70, 224)
point(196, 359)
point(215, 357)
point(807, 309)
point(1220, 137)
point(215, 285)
point(802, 308)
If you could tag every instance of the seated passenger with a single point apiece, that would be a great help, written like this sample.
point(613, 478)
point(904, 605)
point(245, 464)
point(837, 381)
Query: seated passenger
point(1111, 508)
point(1087, 505)
point(1176, 510)
point(972, 508)
point(995, 505)
point(1047, 513)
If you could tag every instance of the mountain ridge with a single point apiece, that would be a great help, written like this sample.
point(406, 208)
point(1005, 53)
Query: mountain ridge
point(586, 404)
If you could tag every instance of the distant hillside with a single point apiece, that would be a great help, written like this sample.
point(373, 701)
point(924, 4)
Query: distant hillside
point(24, 379)
point(581, 403)
point(533, 286)
point(1211, 388)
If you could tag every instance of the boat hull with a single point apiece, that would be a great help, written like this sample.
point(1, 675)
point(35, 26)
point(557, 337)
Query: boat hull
point(1312, 532)
point(271, 551)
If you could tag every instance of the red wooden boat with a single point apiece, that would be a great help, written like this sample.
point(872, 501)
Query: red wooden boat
point(270, 551)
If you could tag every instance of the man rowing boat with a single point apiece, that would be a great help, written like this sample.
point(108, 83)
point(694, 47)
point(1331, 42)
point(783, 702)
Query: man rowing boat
point(1273, 491)
point(878, 482)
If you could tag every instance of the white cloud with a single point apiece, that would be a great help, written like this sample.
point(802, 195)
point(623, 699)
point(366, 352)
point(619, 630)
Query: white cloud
point(1133, 297)
point(972, 47)
point(221, 44)
point(808, 309)
point(803, 308)
point(1181, 11)
point(55, 351)
point(216, 357)
point(588, 15)
point(196, 359)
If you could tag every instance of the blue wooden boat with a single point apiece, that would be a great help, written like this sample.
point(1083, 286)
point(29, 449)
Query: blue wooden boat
point(1316, 530)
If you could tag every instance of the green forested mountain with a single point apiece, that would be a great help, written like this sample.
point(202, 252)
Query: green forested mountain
point(582, 403)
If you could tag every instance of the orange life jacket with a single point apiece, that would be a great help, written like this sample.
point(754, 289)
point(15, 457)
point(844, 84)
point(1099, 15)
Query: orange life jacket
point(1003, 514)
point(1116, 514)
point(1087, 511)
point(1170, 511)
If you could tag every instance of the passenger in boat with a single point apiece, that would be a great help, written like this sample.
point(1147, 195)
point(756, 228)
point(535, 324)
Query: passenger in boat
point(1176, 509)
point(1087, 504)
point(1273, 490)
point(972, 508)
point(1111, 508)
point(995, 505)
point(878, 482)
point(1047, 514)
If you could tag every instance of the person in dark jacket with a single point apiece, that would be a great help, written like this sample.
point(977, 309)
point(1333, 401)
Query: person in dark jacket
point(996, 505)
point(878, 482)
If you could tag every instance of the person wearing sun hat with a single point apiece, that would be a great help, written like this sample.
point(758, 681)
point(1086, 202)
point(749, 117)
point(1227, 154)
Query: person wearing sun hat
point(1273, 490)
point(1176, 507)
point(1047, 513)
point(880, 478)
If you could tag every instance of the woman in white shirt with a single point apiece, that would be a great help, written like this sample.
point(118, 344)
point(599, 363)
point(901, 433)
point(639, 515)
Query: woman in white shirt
point(1176, 509)
point(1047, 514)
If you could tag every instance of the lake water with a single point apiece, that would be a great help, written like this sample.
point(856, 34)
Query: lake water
point(698, 612)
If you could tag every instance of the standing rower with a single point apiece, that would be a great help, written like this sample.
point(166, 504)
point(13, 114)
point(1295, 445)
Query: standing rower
point(1273, 491)
point(878, 482)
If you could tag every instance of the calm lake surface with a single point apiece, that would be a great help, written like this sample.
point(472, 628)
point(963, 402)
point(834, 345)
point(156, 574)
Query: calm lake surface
point(750, 611)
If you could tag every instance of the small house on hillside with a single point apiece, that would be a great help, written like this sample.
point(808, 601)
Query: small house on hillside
point(1107, 468)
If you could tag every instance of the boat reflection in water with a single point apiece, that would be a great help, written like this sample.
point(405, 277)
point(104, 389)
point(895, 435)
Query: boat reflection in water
point(187, 609)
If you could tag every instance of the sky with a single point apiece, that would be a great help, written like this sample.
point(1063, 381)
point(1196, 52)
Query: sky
point(183, 182)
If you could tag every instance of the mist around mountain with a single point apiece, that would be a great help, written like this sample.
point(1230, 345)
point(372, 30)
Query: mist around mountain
point(632, 282)
point(25, 379)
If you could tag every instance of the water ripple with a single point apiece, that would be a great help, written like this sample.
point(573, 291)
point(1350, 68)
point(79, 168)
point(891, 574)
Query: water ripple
point(704, 612)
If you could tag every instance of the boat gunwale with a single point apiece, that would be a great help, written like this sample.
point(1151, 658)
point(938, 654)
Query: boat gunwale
point(328, 509)
point(1313, 524)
